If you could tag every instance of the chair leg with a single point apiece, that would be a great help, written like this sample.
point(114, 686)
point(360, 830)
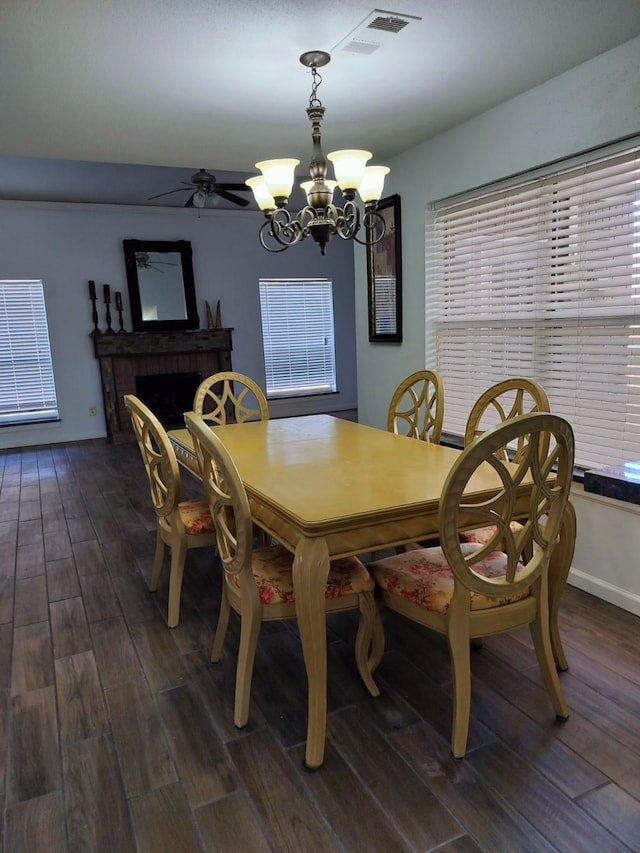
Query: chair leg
point(378, 640)
point(365, 640)
point(249, 630)
point(223, 624)
point(459, 648)
point(178, 557)
point(158, 559)
point(541, 637)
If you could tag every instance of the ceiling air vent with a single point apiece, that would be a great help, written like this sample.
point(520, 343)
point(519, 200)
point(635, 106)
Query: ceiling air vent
point(377, 29)
point(388, 25)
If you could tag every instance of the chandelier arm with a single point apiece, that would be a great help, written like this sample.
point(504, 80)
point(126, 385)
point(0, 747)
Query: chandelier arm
point(348, 220)
point(283, 228)
point(263, 242)
point(371, 221)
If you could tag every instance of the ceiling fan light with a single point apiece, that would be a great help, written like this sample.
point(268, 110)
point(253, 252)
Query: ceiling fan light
point(349, 166)
point(278, 175)
point(372, 183)
point(199, 198)
point(261, 193)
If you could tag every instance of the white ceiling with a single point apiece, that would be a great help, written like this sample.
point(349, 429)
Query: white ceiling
point(217, 83)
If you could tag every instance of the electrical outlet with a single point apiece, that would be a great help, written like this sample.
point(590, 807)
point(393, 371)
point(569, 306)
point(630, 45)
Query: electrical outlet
point(92, 410)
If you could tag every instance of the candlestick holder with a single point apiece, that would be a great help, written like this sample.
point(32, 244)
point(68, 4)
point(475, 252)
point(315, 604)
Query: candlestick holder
point(94, 310)
point(94, 316)
point(119, 310)
point(107, 302)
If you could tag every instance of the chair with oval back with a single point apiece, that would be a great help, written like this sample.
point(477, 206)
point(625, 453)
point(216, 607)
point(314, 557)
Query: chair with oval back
point(417, 407)
point(504, 400)
point(229, 397)
point(258, 582)
point(473, 590)
point(181, 525)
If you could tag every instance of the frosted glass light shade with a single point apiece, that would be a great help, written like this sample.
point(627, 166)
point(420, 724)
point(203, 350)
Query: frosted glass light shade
point(278, 175)
point(372, 183)
point(199, 198)
point(349, 166)
point(261, 193)
point(306, 186)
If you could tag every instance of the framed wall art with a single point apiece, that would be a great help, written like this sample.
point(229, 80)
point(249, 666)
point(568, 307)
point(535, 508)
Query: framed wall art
point(384, 277)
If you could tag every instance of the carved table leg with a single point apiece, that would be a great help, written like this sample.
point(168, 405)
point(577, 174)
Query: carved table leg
point(558, 571)
point(310, 571)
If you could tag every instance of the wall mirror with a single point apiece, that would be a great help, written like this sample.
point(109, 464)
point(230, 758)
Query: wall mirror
point(162, 292)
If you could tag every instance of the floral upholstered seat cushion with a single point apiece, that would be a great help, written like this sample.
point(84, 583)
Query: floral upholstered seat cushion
point(481, 535)
point(424, 577)
point(272, 571)
point(196, 517)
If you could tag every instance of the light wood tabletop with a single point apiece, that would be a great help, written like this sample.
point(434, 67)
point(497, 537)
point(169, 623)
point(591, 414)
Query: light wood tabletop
point(326, 487)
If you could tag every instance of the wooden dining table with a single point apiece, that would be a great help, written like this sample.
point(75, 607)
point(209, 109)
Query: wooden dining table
point(324, 488)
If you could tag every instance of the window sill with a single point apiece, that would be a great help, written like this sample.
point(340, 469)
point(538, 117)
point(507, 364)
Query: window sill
point(620, 482)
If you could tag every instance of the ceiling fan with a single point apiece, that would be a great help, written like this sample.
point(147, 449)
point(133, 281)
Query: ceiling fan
point(203, 186)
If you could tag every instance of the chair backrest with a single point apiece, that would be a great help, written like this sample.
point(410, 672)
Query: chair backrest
point(228, 502)
point(158, 456)
point(417, 407)
point(502, 401)
point(551, 474)
point(229, 397)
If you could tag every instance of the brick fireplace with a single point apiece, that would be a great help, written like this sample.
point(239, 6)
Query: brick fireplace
point(127, 355)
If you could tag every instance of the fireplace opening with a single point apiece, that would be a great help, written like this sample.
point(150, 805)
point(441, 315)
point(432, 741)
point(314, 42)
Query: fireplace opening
point(169, 395)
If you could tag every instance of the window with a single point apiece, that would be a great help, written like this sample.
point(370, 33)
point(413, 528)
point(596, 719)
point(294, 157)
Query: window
point(298, 336)
point(543, 280)
point(27, 389)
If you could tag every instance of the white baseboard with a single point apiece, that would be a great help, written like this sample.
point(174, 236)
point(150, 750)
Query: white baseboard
point(607, 592)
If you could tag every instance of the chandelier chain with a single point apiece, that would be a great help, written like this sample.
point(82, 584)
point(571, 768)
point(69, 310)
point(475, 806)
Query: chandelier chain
point(316, 80)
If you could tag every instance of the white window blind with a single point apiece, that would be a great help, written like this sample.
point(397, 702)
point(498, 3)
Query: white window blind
point(27, 388)
point(543, 281)
point(298, 336)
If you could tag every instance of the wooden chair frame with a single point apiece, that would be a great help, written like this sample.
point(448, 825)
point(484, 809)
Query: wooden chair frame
point(229, 507)
point(417, 407)
point(521, 395)
point(227, 391)
point(552, 476)
point(163, 473)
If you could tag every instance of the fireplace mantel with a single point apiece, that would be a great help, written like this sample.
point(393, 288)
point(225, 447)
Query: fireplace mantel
point(124, 355)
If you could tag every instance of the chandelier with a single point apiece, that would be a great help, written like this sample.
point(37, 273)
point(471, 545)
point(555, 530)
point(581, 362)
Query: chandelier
point(320, 218)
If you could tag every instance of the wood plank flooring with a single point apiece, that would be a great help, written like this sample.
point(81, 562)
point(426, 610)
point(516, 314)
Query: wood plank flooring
point(116, 733)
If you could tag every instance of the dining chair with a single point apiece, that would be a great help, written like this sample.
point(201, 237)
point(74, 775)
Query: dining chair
point(229, 397)
point(416, 408)
point(504, 400)
point(181, 525)
point(467, 590)
point(258, 582)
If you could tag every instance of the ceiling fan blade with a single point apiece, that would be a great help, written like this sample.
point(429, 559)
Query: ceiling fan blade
point(243, 202)
point(235, 187)
point(179, 190)
point(189, 201)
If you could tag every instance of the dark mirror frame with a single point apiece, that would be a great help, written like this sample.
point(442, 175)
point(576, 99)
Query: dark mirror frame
point(183, 248)
point(384, 277)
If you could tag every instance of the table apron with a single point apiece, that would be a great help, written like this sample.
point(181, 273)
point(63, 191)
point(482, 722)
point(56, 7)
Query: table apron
point(360, 536)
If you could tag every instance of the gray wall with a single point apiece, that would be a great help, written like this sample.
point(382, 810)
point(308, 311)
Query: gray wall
point(65, 245)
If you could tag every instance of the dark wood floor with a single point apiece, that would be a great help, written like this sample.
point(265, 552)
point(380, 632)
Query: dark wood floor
point(117, 733)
